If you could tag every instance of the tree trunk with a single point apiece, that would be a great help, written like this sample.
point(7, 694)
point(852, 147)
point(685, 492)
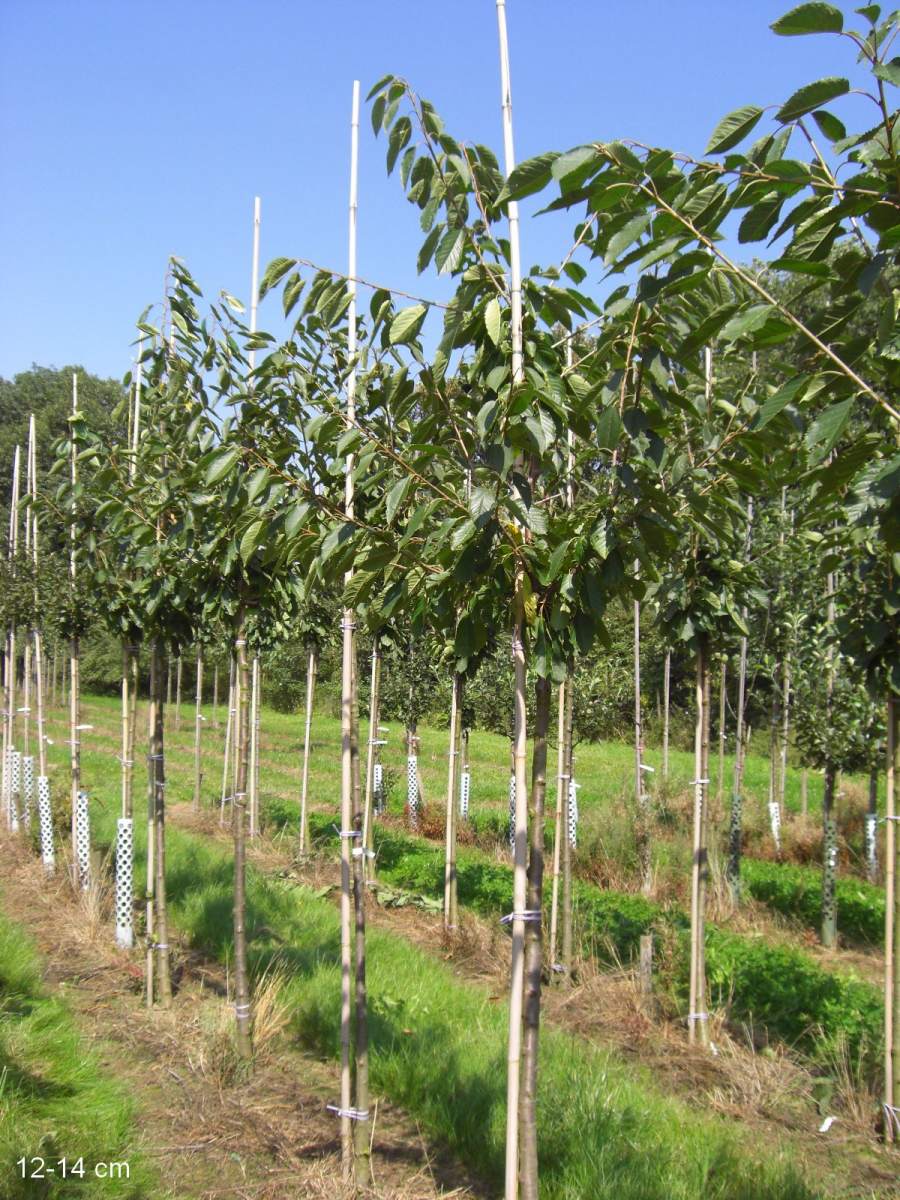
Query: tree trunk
point(736, 827)
point(230, 735)
point(215, 702)
point(155, 667)
point(829, 866)
point(561, 788)
point(158, 774)
point(891, 936)
point(361, 1128)
point(534, 946)
point(198, 726)
point(374, 711)
point(346, 837)
point(518, 915)
point(567, 915)
point(698, 1029)
point(720, 786)
point(667, 678)
point(304, 785)
point(178, 676)
point(642, 823)
point(243, 1040)
point(450, 893)
point(872, 827)
point(785, 730)
point(254, 747)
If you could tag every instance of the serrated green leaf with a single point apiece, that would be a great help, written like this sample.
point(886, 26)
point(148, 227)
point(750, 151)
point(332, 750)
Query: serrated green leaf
point(407, 323)
point(221, 464)
point(809, 18)
point(746, 321)
point(528, 177)
point(492, 320)
point(251, 539)
point(733, 128)
point(811, 96)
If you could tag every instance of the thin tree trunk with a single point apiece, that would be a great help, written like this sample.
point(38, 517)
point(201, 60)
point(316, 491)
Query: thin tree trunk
point(53, 688)
point(254, 747)
point(215, 702)
point(304, 785)
point(158, 774)
point(785, 730)
point(198, 726)
point(127, 731)
point(534, 946)
point(178, 676)
point(561, 789)
point(567, 913)
point(804, 792)
point(229, 735)
point(168, 699)
point(641, 798)
point(720, 787)
point(829, 824)
point(736, 829)
point(243, 1041)
point(872, 827)
point(374, 711)
point(150, 886)
point(667, 681)
point(698, 1029)
point(75, 745)
point(450, 893)
point(361, 1151)
point(891, 936)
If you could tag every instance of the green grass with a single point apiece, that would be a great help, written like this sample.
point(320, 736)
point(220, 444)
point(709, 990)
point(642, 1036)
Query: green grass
point(55, 1099)
point(438, 1045)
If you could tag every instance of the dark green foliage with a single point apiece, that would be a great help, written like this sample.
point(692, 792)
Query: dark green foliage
point(796, 892)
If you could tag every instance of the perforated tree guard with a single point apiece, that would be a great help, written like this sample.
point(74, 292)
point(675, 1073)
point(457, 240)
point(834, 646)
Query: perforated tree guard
point(378, 787)
point(45, 816)
point(124, 882)
point(573, 813)
point(412, 789)
point(15, 784)
point(775, 822)
point(27, 789)
point(7, 806)
point(871, 842)
point(512, 814)
point(83, 840)
point(465, 786)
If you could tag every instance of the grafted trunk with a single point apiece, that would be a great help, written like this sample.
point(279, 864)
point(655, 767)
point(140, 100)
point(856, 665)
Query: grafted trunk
point(534, 947)
point(243, 1040)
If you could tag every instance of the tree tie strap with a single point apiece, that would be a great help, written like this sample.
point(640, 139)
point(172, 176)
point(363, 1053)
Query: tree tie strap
point(528, 914)
point(652, 770)
point(700, 1016)
point(347, 833)
point(361, 852)
point(559, 968)
point(351, 1114)
point(241, 1011)
point(155, 757)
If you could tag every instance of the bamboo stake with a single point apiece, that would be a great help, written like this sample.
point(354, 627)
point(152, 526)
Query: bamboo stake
point(720, 786)
point(304, 785)
point(130, 651)
point(450, 891)
point(215, 701)
point(10, 663)
point(178, 676)
point(150, 888)
point(26, 663)
point(520, 732)
point(243, 1040)
point(829, 824)
point(198, 727)
point(36, 632)
point(643, 815)
point(254, 278)
point(735, 835)
point(158, 784)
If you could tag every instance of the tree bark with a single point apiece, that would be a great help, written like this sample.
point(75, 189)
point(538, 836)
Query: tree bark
point(361, 1129)
point(667, 680)
point(198, 726)
point(374, 711)
point(736, 827)
point(891, 935)
point(74, 739)
point(158, 773)
point(533, 947)
point(243, 1039)
point(557, 825)
point(698, 1029)
point(567, 915)
point(304, 784)
point(450, 892)
point(179, 665)
point(642, 823)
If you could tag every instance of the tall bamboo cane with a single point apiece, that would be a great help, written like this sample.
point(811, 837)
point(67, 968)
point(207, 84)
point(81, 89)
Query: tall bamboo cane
point(198, 727)
point(9, 726)
point(698, 1019)
point(26, 655)
point(74, 657)
point(829, 824)
point(450, 889)
point(254, 747)
point(891, 936)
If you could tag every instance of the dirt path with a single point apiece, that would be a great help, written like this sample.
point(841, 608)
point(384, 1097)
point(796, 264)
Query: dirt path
point(207, 1135)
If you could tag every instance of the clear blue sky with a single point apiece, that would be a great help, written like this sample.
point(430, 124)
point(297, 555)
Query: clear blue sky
point(133, 131)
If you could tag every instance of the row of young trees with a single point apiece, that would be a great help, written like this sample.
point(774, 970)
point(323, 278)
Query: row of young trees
point(552, 457)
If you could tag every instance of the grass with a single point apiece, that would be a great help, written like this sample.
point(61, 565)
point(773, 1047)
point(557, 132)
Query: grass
point(439, 1045)
point(55, 1100)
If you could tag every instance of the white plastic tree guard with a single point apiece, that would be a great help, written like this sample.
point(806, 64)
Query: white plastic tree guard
point(83, 840)
point(872, 842)
point(15, 783)
point(465, 787)
point(45, 817)
point(775, 822)
point(378, 787)
point(124, 882)
point(27, 789)
point(573, 813)
point(412, 789)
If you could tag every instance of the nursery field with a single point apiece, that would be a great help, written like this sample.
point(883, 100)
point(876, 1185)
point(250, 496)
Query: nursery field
point(784, 1080)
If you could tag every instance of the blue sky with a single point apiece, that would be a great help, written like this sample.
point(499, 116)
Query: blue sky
point(134, 131)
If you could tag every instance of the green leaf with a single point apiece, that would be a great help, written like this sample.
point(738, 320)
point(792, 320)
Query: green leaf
point(449, 250)
point(747, 321)
point(733, 128)
point(275, 271)
point(528, 177)
point(258, 481)
point(407, 323)
point(889, 71)
point(809, 18)
point(221, 464)
point(812, 96)
point(395, 498)
point(758, 221)
point(629, 233)
point(492, 320)
point(833, 129)
point(251, 539)
point(823, 434)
